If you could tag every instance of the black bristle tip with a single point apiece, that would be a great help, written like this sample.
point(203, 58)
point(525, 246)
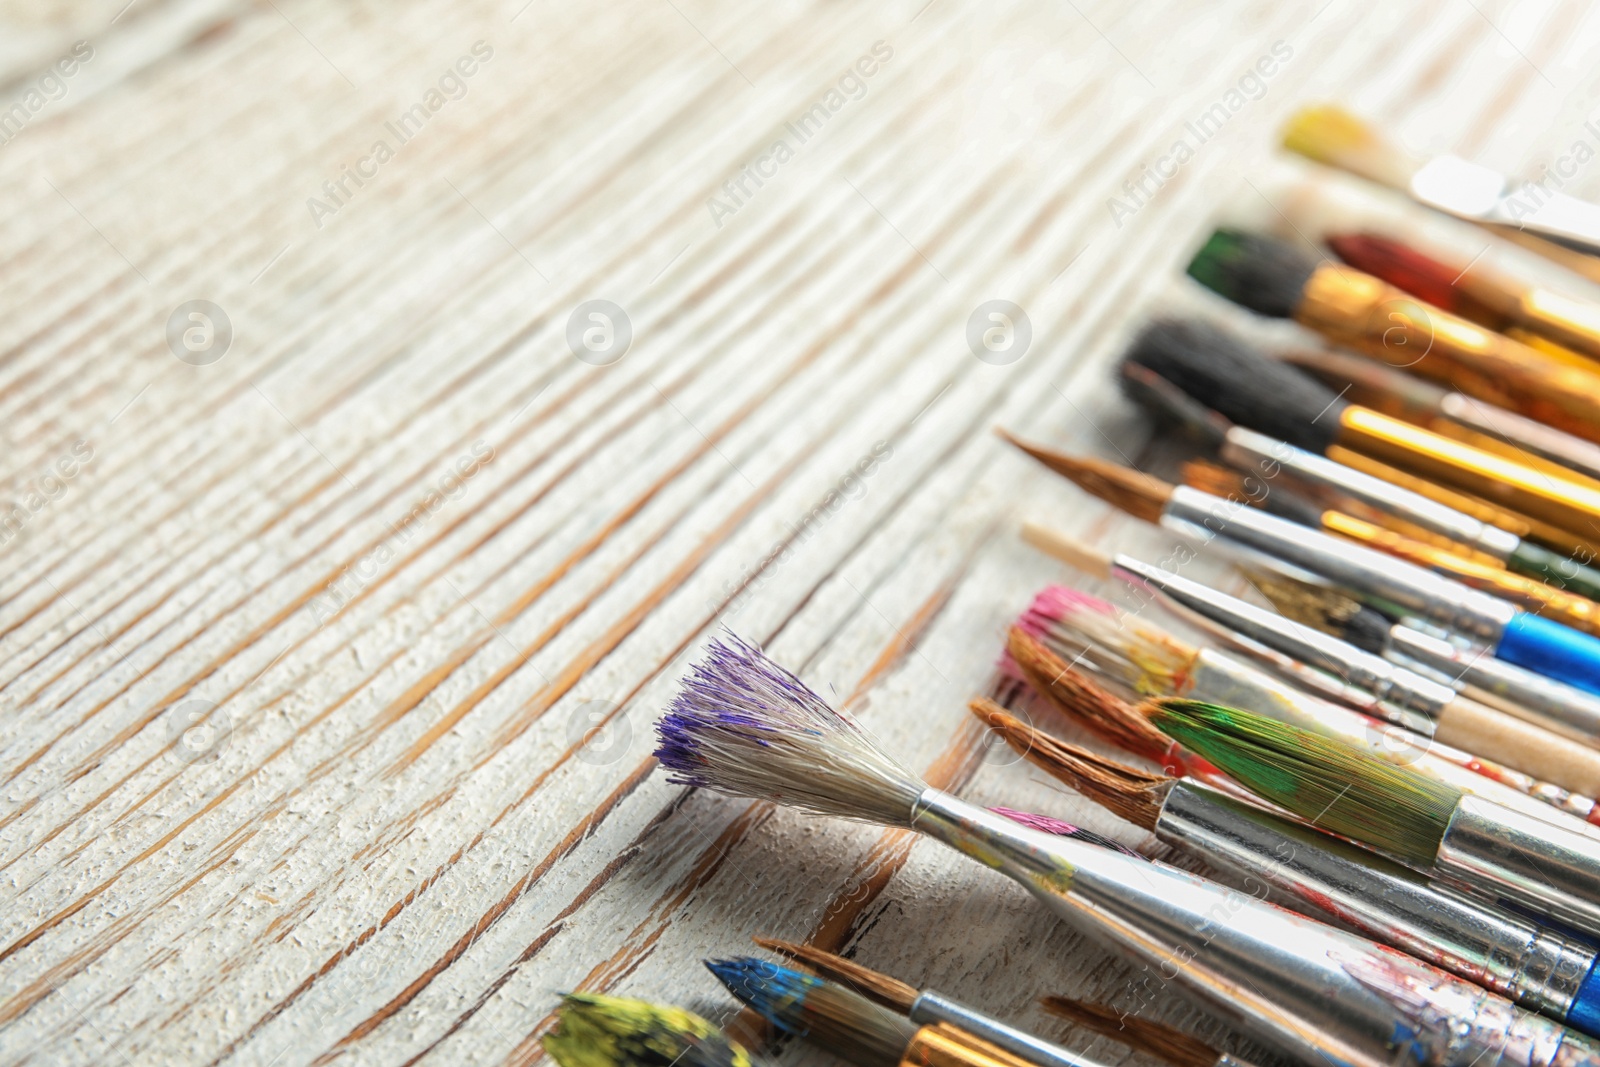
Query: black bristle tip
point(1368, 630)
point(1222, 372)
point(1255, 271)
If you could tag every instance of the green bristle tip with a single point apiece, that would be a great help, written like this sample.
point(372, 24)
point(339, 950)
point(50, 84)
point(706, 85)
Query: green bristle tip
point(600, 1031)
point(1211, 265)
point(1330, 783)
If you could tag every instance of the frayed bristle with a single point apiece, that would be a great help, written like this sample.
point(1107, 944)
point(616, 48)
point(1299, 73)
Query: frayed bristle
point(1095, 707)
point(1333, 136)
point(593, 1030)
point(827, 1014)
point(1154, 1039)
point(1094, 633)
point(1323, 608)
point(1135, 492)
point(741, 724)
point(1256, 271)
point(879, 988)
point(1328, 781)
point(1124, 791)
point(1173, 408)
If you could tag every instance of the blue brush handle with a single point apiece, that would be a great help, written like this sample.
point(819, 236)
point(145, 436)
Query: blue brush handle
point(1584, 1014)
point(1551, 649)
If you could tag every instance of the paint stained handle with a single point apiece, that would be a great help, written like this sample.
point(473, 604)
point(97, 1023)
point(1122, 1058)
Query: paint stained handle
point(1552, 568)
point(1475, 727)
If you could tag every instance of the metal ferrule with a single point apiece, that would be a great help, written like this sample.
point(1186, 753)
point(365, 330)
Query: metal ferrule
point(1546, 702)
point(1402, 696)
point(1518, 959)
point(1334, 483)
point(931, 1008)
point(1525, 859)
point(1314, 992)
point(1558, 446)
point(1476, 192)
point(1365, 570)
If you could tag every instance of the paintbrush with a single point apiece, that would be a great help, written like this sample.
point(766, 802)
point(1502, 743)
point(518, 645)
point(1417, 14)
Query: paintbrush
point(594, 1030)
point(1141, 1035)
point(1558, 325)
point(1562, 709)
point(1364, 495)
point(1278, 279)
point(742, 725)
point(1400, 695)
point(1408, 543)
point(925, 1008)
point(1428, 826)
point(1065, 626)
point(1508, 632)
point(1217, 370)
point(1522, 960)
point(1559, 227)
point(841, 1021)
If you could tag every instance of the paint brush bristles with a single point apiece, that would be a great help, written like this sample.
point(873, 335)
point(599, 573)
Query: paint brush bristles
point(1141, 1035)
point(594, 1030)
point(743, 725)
point(1340, 788)
point(825, 1013)
point(874, 985)
point(1130, 490)
point(1125, 791)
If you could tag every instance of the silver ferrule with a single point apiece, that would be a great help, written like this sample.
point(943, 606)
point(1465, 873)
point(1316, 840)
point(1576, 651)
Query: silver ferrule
point(1476, 192)
point(1366, 571)
point(1334, 485)
point(1554, 705)
point(1545, 867)
point(1547, 441)
point(1314, 992)
point(1401, 696)
point(931, 1008)
point(1516, 958)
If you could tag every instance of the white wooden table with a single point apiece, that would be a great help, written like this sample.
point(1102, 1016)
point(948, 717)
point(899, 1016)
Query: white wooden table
point(329, 651)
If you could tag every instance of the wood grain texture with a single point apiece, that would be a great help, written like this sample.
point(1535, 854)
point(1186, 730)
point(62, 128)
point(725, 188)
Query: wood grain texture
point(328, 673)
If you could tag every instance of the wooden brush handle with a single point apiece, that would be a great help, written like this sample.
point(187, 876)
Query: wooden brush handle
point(1522, 746)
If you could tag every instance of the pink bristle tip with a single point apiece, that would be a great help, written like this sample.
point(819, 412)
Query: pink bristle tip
point(1055, 602)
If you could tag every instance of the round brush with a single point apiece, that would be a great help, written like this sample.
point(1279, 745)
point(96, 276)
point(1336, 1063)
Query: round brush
point(594, 1030)
point(744, 726)
point(1428, 826)
point(1282, 280)
point(1534, 965)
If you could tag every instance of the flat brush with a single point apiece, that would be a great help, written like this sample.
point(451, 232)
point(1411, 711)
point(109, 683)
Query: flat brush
point(1509, 632)
point(1141, 1035)
point(744, 726)
point(1280, 280)
point(1539, 968)
point(839, 1020)
point(1559, 227)
point(1065, 625)
point(1428, 826)
point(1217, 370)
point(1348, 489)
point(1452, 560)
point(1454, 415)
point(1559, 708)
point(594, 1030)
point(1524, 312)
point(925, 1008)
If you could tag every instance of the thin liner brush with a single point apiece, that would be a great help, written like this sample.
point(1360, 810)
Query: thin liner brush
point(1064, 624)
point(925, 1008)
point(1424, 824)
point(1559, 708)
point(1561, 228)
point(1526, 313)
point(743, 726)
point(1141, 1035)
point(595, 1030)
point(1275, 278)
point(1218, 370)
point(1512, 634)
point(1522, 960)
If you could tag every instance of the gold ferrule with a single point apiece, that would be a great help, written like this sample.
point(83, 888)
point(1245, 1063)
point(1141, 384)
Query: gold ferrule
point(1574, 325)
point(1447, 427)
point(1385, 323)
point(943, 1045)
point(1562, 502)
point(1570, 356)
point(1578, 612)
